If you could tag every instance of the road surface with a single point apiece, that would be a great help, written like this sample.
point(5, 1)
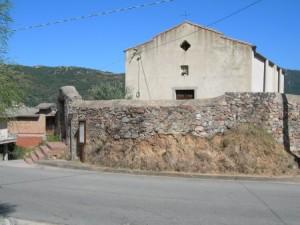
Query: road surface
point(76, 197)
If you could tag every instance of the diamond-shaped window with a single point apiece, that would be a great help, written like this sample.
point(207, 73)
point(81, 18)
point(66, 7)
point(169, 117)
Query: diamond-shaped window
point(185, 45)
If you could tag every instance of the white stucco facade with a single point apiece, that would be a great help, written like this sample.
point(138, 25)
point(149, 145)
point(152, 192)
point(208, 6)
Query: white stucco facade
point(258, 71)
point(266, 76)
point(216, 64)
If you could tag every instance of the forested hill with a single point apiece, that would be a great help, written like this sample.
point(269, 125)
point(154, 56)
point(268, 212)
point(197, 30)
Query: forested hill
point(41, 83)
point(292, 82)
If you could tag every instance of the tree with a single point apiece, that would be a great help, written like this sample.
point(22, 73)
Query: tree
point(109, 89)
point(5, 32)
point(10, 94)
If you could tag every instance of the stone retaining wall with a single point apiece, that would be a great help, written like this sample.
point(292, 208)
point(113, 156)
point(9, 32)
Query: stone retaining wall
point(118, 120)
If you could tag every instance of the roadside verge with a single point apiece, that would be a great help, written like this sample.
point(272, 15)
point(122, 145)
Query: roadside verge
point(80, 166)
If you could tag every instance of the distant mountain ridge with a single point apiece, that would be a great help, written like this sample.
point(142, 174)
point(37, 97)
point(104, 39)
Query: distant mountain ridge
point(292, 82)
point(41, 83)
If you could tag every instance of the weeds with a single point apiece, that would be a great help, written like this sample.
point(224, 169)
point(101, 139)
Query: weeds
point(19, 153)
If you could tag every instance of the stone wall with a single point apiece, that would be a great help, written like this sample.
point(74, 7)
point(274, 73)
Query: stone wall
point(67, 95)
point(119, 120)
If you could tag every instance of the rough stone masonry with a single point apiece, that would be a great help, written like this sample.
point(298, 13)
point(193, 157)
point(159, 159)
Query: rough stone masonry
point(121, 120)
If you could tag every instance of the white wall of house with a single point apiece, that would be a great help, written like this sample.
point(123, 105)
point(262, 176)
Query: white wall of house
point(266, 76)
point(258, 71)
point(271, 78)
point(276, 79)
point(281, 81)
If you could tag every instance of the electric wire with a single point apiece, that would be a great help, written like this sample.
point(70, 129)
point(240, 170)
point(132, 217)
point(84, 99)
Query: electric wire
point(119, 10)
point(210, 24)
point(221, 19)
point(92, 15)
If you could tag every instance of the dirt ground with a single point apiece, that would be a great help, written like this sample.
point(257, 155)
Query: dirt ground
point(242, 150)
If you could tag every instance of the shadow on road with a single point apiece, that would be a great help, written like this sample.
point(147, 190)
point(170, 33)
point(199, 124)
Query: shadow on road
point(6, 209)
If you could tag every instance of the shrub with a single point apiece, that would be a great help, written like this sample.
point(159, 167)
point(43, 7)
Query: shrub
point(109, 89)
point(19, 153)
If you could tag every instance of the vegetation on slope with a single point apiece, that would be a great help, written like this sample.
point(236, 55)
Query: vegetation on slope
point(109, 89)
point(41, 83)
point(245, 149)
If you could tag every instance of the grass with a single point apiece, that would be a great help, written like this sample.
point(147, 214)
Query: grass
point(53, 138)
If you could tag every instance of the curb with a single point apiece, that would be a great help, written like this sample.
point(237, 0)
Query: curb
point(15, 221)
point(80, 166)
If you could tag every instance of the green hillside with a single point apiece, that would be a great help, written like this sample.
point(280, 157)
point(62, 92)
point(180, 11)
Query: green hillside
point(41, 83)
point(292, 82)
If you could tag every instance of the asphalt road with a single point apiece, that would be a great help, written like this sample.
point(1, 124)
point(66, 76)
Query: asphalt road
point(66, 196)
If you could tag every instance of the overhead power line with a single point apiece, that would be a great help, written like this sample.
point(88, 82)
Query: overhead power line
point(210, 24)
point(92, 15)
point(221, 19)
point(233, 13)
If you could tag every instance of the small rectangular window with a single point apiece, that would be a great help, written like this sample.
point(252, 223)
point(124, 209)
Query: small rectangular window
point(185, 94)
point(184, 70)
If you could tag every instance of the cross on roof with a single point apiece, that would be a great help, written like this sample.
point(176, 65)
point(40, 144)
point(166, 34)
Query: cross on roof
point(185, 15)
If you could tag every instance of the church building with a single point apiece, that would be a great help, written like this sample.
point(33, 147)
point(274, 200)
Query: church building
point(190, 61)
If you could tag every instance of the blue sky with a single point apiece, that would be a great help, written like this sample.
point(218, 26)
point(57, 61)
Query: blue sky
point(272, 25)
